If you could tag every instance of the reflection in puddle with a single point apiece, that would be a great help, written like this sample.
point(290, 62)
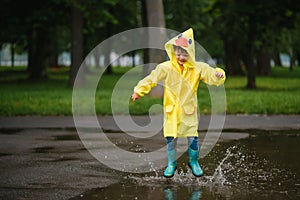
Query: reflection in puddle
point(260, 167)
point(43, 149)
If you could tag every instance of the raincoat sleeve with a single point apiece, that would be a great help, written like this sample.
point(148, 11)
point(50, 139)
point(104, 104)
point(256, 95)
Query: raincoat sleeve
point(145, 85)
point(208, 76)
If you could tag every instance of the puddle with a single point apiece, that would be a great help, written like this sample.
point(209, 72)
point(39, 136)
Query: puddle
point(9, 131)
point(263, 166)
point(5, 154)
point(66, 137)
point(45, 149)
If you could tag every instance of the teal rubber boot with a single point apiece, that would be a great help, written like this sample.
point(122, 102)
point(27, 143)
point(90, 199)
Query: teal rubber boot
point(171, 168)
point(169, 194)
point(193, 163)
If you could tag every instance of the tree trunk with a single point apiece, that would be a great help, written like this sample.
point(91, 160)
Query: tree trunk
point(12, 51)
point(52, 48)
point(0, 56)
point(108, 48)
point(97, 58)
point(145, 50)
point(298, 58)
point(249, 56)
point(249, 62)
point(30, 39)
point(39, 54)
point(251, 83)
point(292, 59)
point(276, 57)
point(133, 58)
point(107, 63)
point(232, 58)
point(263, 61)
point(76, 48)
point(155, 18)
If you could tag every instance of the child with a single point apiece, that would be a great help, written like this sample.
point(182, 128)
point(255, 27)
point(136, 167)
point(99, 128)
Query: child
point(180, 76)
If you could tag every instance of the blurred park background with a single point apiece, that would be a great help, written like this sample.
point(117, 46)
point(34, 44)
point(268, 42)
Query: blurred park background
point(43, 44)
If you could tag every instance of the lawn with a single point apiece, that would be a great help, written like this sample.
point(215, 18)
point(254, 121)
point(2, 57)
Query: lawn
point(278, 94)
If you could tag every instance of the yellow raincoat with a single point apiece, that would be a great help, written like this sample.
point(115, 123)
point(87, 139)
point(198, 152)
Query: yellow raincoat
point(180, 87)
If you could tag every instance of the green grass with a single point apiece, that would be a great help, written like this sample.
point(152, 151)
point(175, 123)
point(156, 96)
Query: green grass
point(22, 97)
point(278, 94)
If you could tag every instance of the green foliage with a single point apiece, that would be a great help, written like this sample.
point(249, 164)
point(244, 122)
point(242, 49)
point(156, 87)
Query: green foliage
point(279, 94)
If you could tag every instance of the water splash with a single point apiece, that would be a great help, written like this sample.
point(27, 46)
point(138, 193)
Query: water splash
point(186, 178)
point(219, 176)
point(238, 166)
point(153, 169)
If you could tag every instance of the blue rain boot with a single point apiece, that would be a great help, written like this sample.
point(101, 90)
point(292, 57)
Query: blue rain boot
point(169, 193)
point(193, 162)
point(171, 168)
point(196, 195)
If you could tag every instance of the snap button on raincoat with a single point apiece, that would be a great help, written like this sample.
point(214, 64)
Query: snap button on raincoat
point(180, 86)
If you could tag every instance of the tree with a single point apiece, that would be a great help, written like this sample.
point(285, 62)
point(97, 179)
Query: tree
point(32, 25)
point(289, 42)
point(12, 18)
point(76, 47)
point(39, 26)
point(235, 22)
point(105, 21)
point(39, 53)
point(41, 30)
point(154, 18)
point(248, 27)
point(85, 22)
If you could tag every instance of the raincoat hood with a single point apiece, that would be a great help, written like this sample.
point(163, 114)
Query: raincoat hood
point(184, 40)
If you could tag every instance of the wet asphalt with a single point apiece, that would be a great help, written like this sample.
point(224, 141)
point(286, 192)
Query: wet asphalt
point(43, 157)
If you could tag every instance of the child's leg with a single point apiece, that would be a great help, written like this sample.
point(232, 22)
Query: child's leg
point(171, 149)
point(193, 156)
point(193, 143)
point(171, 143)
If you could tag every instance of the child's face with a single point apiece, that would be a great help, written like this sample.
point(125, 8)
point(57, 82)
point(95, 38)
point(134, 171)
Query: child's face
point(181, 57)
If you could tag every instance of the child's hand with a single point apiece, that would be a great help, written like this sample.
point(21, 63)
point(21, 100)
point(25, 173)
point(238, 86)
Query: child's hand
point(135, 96)
point(219, 75)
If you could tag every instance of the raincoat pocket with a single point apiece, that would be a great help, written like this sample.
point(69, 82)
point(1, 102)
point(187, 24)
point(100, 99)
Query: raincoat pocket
point(169, 108)
point(189, 120)
point(189, 110)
